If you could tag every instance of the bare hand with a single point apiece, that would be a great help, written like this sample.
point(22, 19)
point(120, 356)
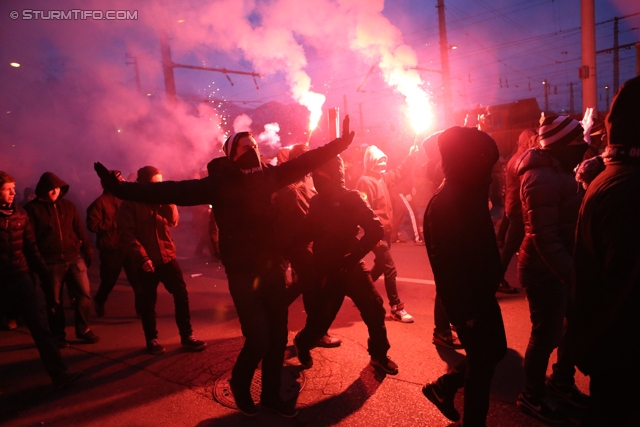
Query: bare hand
point(148, 266)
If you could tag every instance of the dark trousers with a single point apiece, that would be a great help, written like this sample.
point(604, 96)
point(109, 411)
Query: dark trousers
point(548, 302)
point(304, 282)
point(170, 274)
point(383, 265)
point(512, 240)
point(262, 311)
point(21, 294)
point(74, 275)
point(440, 318)
point(358, 286)
point(111, 264)
point(485, 344)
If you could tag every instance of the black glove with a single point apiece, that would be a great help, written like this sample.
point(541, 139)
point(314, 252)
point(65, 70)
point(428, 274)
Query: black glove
point(110, 180)
point(347, 137)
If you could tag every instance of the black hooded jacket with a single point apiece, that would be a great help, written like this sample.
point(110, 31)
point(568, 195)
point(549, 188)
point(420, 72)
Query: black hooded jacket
point(57, 226)
point(606, 329)
point(241, 201)
point(458, 230)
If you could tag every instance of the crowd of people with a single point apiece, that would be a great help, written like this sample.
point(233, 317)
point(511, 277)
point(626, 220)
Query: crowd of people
point(570, 214)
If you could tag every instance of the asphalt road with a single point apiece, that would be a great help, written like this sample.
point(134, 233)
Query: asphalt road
point(122, 385)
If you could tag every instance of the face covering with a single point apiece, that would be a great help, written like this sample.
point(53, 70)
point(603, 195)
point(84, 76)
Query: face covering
point(249, 162)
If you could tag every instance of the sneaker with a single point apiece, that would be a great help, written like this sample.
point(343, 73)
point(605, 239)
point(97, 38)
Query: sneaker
point(304, 354)
point(385, 364)
point(279, 407)
point(505, 288)
point(543, 409)
point(99, 307)
point(193, 344)
point(570, 394)
point(449, 340)
point(400, 314)
point(327, 341)
point(64, 379)
point(88, 337)
point(444, 403)
point(154, 347)
point(243, 400)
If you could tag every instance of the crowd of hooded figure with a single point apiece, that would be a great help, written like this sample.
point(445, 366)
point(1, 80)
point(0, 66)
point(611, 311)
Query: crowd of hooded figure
point(571, 214)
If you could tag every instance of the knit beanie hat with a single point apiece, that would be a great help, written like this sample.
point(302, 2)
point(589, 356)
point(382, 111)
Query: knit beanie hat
point(146, 173)
point(558, 131)
point(230, 146)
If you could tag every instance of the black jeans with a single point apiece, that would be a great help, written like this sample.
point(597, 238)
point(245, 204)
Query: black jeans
point(548, 302)
point(170, 274)
point(485, 344)
point(358, 286)
point(383, 264)
point(111, 264)
point(263, 312)
point(440, 318)
point(22, 295)
point(74, 275)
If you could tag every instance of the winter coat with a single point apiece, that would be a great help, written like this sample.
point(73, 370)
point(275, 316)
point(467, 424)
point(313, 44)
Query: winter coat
point(292, 205)
point(333, 223)
point(375, 185)
point(143, 231)
point(18, 250)
point(551, 199)
point(241, 202)
point(57, 226)
point(101, 219)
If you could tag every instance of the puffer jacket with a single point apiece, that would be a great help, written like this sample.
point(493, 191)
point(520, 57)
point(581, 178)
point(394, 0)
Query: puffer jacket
point(551, 200)
point(143, 230)
point(18, 250)
point(101, 219)
point(375, 185)
point(57, 226)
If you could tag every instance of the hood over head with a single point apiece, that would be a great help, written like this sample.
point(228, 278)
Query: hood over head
point(430, 146)
point(146, 173)
point(623, 123)
point(48, 181)
point(330, 176)
point(372, 157)
point(297, 150)
point(468, 155)
point(283, 154)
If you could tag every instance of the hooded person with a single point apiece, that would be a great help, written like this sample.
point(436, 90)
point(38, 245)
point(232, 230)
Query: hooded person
point(19, 256)
point(239, 188)
point(335, 217)
point(144, 235)
point(463, 253)
point(374, 183)
point(606, 332)
point(551, 199)
point(66, 250)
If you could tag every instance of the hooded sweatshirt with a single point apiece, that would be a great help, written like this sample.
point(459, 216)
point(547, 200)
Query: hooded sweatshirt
point(458, 230)
point(57, 226)
point(375, 185)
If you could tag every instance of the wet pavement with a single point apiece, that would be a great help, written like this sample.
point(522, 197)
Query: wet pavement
point(122, 385)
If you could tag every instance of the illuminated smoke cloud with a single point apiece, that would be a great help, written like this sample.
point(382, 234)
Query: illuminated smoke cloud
point(270, 136)
point(242, 123)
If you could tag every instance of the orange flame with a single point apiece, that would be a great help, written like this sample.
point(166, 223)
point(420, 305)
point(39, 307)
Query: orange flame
point(314, 102)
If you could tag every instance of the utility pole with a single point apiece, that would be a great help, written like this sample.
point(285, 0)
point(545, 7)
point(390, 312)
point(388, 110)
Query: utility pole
point(546, 96)
point(588, 69)
point(167, 67)
point(135, 69)
point(571, 103)
point(616, 60)
point(444, 59)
